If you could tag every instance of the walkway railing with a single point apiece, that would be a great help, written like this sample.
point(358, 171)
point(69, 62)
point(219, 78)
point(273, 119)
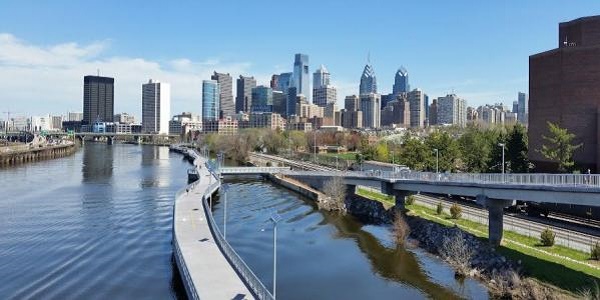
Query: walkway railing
point(580, 181)
point(252, 170)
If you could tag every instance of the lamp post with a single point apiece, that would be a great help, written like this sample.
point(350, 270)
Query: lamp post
point(225, 188)
point(503, 146)
point(275, 218)
point(437, 160)
point(315, 145)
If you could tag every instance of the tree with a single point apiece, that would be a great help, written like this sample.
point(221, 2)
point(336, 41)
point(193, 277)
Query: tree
point(414, 154)
point(475, 149)
point(517, 146)
point(559, 147)
point(381, 152)
point(335, 190)
point(448, 151)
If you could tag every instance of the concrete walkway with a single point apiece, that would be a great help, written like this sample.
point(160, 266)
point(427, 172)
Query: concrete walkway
point(208, 271)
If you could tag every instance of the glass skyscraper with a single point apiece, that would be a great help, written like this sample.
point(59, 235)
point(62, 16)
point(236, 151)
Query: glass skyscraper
point(262, 99)
point(302, 75)
point(210, 100)
point(401, 82)
point(368, 81)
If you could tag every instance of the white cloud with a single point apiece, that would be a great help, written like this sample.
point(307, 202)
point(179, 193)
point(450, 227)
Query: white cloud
point(49, 79)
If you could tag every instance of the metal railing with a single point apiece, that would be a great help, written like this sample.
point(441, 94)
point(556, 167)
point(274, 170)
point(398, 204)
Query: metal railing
point(252, 170)
point(251, 280)
point(589, 182)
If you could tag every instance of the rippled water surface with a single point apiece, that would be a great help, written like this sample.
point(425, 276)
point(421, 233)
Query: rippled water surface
point(95, 225)
point(327, 256)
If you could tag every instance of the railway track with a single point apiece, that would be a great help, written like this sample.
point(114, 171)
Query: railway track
point(308, 166)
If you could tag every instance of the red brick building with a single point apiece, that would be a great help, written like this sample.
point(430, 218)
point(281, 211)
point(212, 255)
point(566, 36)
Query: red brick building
point(564, 88)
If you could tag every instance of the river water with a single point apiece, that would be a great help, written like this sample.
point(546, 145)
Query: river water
point(97, 225)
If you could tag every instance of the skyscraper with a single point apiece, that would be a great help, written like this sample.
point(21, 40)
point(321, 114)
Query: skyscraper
point(321, 78)
point(226, 105)
point(401, 82)
point(370, 105)
point(262, 99)
point(522, 108)
point(243, 99)
point(324, 95)
point(279, 103)
point(368, 81)
point(98, 99)
point(274, 81)
point(284, 81)
point(302, 75)
point(451, 110)
point(417, 108)
point(291, 100)
point(210, 100)
point(156, 107)
point(352, 103)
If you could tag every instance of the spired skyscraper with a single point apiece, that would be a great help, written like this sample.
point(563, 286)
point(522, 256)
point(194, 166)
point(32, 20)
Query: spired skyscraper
point(98, 99)
point(302, 75)
point(156, 107)
point(226, 105)
point(368, 81)
point(210, 100)
point(401, 82)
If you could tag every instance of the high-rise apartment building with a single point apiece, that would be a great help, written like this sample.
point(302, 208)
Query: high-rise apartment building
point(368, 81)
point(98, 99)
point(433, 113)
point(74, 116)
point(243, 99)
point(262, 99)
point(226, 104)
point(522, 108)
point(156, 107)
point(370, 105)
point(210, 100)
point(563, 89)
point(302, 75)
point(451, 110)
point(401, 82)
point(416, 101)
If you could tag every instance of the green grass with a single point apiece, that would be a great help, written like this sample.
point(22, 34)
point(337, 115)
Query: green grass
point(557, 271)
point(387, 200)
point(345, 156)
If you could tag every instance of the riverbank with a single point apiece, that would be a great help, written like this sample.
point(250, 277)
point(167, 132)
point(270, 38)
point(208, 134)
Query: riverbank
point(11, 156)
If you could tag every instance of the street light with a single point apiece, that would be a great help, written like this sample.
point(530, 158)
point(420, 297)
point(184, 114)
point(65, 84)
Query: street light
point(503, 146)
point(437, 160)
point(275, 218)
point(315, 145)
point(225, 188)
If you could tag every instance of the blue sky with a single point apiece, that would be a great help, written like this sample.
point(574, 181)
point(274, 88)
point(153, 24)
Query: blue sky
point(478, 49)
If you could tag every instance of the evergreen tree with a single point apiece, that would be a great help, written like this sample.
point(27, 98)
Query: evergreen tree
point(517, 148)
point(559, 147)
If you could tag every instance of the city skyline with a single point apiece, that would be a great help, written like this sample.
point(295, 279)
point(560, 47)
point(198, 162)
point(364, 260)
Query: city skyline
point(490, 70)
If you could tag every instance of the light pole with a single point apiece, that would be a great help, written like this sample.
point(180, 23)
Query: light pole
point(275, 218)
point(315, 145)
point(225, 188)
point(437, 160)
point(503, 146)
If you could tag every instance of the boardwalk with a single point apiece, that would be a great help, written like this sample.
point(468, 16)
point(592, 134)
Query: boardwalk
point(204, 269)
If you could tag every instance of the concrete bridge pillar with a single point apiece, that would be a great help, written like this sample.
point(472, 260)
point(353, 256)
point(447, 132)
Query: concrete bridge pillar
point(495, 209)
point(399, 195)
point(110, 140)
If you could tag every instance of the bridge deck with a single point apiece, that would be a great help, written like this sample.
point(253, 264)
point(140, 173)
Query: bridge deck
point(207, 268)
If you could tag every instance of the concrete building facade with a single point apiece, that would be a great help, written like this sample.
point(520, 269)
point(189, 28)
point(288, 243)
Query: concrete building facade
point(156, 107)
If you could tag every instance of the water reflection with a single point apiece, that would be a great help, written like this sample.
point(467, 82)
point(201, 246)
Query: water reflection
point(159, 158)
point(97, 164)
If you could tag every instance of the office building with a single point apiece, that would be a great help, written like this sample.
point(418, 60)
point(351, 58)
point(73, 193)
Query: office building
point(368, 81)
point(401, 82)
point(451, 110)
point(433, 109)
point(226, 105)
point(291, 99)
point(284, 82)
point(351, 119)
point(321, 78)
point(274, 83)
point(156, 107)
point(352, 103)
point(370, 105)
point(280, 103)
point(124, 118)
point(416, 101)
point(243, 99)
point(563, 89)
point(396, 113)
point(302, 75)
point(324, 94)
point(98, 99)
point(74, 116)
point(262, 99)
point(522, 108)
point(210, 100)
point(304, 109)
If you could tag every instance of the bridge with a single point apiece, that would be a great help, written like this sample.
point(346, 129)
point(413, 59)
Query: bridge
point(109, 136)
point(493, 191)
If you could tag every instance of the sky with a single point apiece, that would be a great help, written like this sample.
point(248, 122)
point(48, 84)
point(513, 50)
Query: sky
point(476, 49)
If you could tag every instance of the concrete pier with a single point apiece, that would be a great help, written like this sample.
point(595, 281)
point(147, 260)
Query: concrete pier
point(495, 209)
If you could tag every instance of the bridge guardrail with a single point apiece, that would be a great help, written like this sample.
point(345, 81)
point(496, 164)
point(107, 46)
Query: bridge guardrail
point(251, 280)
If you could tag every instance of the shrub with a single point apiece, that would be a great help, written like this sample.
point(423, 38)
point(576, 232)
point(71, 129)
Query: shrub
point(440, 208)
point(595, 251)
point(455, 211)
point(335, 190)
point(547, 237)
point(410, 200)
point(400, 230)
point(458, 252)
point(269, 164)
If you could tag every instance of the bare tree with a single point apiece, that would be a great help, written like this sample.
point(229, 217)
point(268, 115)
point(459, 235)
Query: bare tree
point(400, 230)
point(335, 190)
point(456, 250)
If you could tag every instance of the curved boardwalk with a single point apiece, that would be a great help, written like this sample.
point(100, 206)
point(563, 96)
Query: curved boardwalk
point(205, 271)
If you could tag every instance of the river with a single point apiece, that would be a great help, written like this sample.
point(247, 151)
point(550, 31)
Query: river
point(97, 225)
